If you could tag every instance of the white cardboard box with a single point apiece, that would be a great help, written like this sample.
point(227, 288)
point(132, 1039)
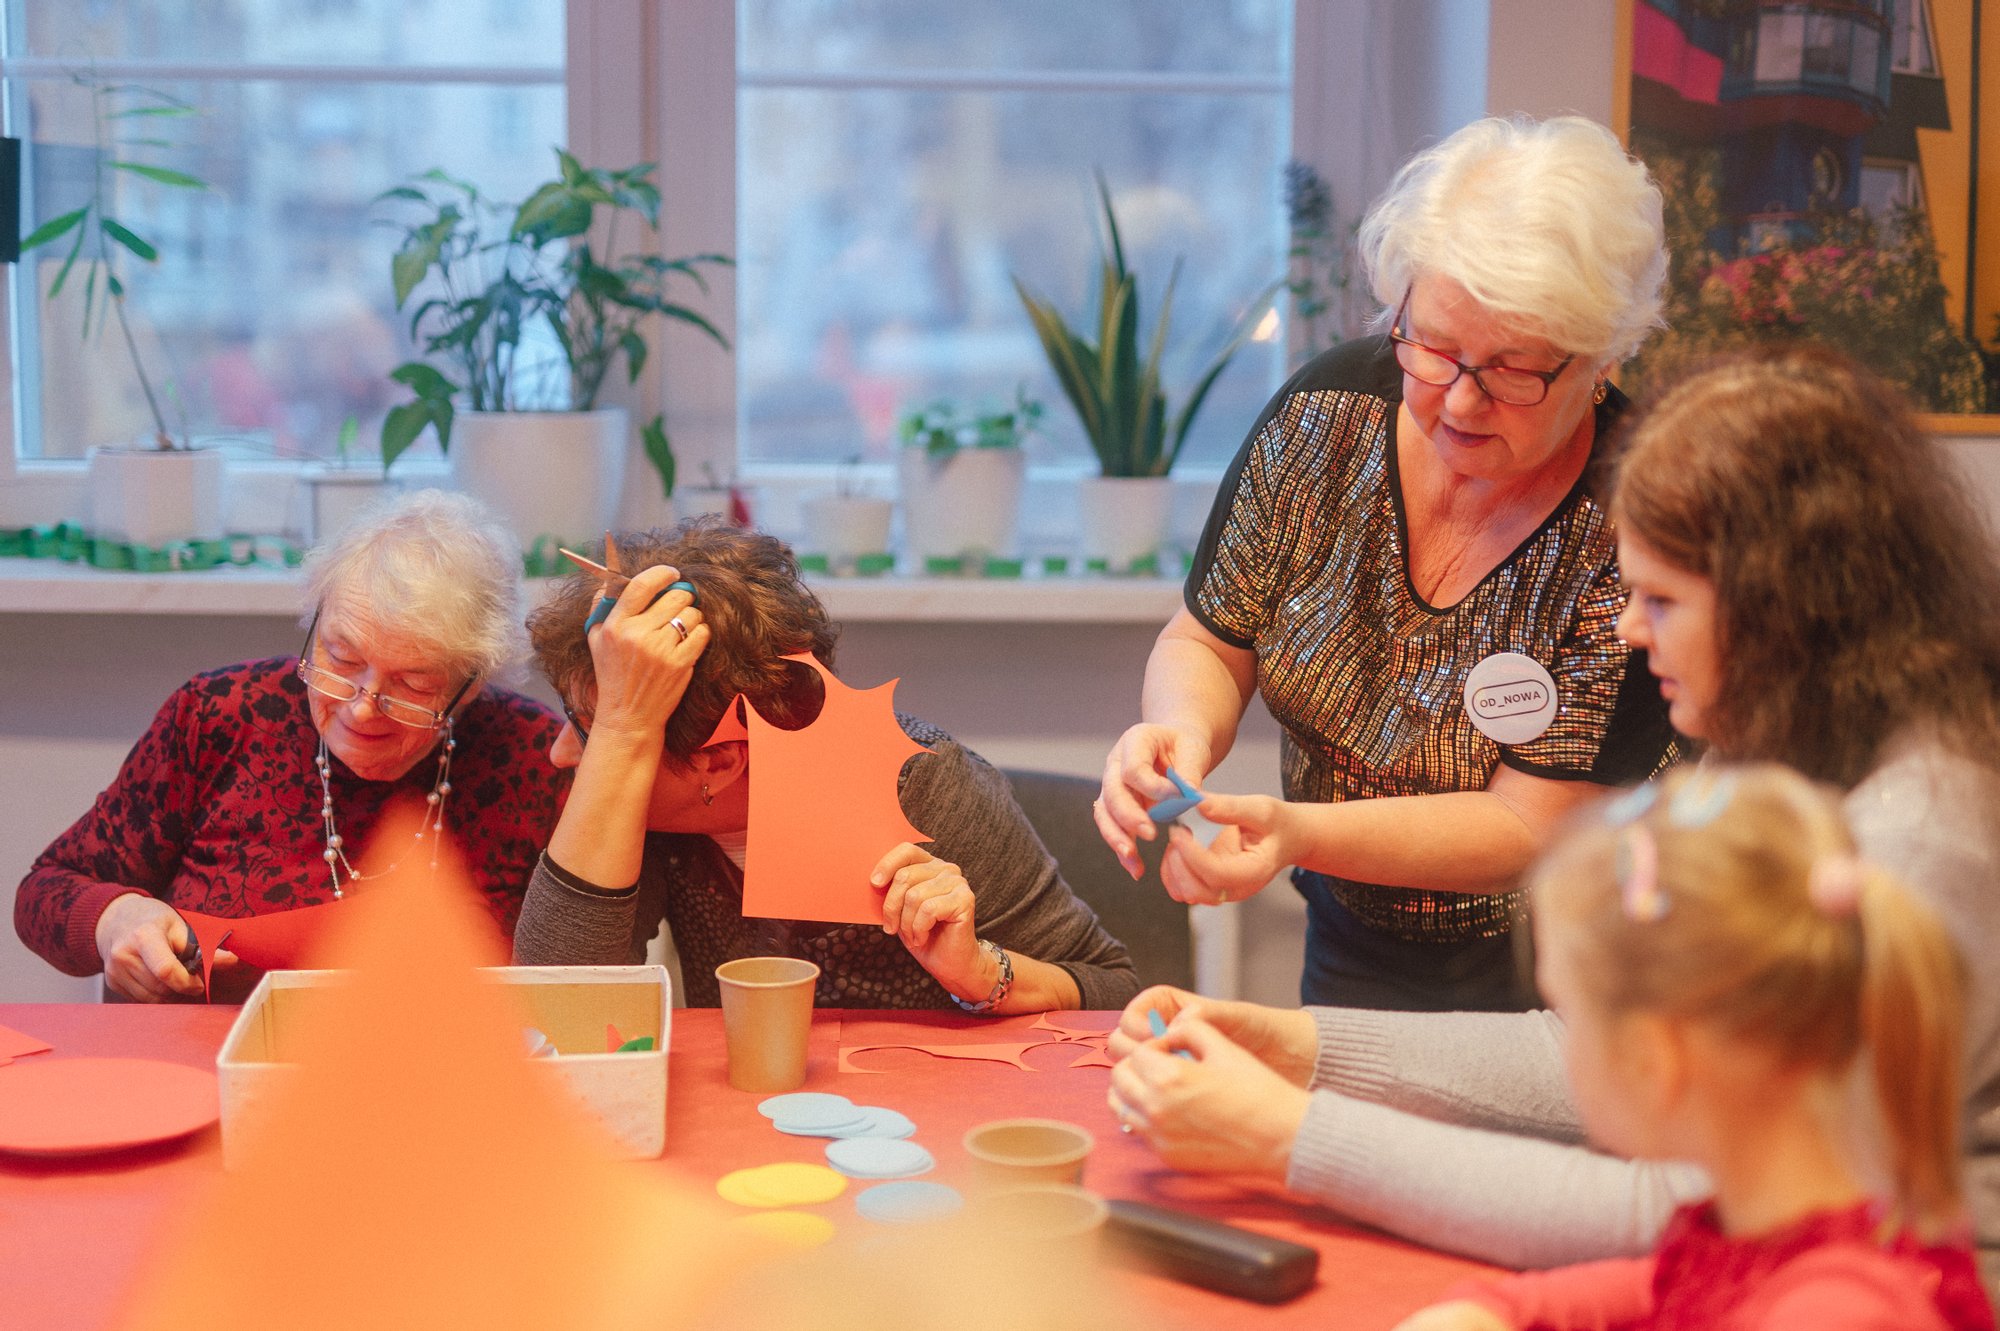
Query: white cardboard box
point(571, 1005)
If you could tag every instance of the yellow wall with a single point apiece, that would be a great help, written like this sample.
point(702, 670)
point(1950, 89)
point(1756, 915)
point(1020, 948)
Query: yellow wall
point(1946, 165)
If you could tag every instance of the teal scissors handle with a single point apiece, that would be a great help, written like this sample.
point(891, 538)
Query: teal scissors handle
point(600, 611)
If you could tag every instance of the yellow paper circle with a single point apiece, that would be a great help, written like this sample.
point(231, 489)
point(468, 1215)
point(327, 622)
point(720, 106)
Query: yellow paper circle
point(785, 1184)
point(792, 1229)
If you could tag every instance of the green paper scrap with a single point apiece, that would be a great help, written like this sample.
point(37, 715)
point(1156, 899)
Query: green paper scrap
point(869, 566)
point(1004, 568)
point(1147, 565)
point(70, 543)
point(1097, 565)
point(944, 565)
point(638, 1044)
point(814, 563)
point(1055, 564)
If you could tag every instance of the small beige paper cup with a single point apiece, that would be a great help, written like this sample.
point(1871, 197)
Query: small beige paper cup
point(767, 1005)
point(1010, 1152)
point(1042, 1213)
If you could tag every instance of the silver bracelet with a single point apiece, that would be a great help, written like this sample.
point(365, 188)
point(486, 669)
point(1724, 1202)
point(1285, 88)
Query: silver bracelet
point(1001, 987)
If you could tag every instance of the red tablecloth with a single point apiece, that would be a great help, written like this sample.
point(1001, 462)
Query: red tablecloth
point(71, 1233)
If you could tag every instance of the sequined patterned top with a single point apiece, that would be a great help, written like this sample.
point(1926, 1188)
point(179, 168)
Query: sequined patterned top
point(1304, 562)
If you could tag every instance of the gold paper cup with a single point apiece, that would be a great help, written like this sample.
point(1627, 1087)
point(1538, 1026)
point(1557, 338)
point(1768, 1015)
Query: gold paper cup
point(1015, 1151)
point(767, 1005)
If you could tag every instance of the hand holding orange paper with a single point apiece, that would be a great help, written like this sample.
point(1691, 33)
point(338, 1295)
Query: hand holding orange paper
point(824, 807)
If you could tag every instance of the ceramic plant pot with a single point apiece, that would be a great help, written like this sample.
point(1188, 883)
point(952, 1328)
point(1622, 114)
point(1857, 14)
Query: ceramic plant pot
point(336, 495)
point(1124, 518)
point(546, 473)
point(846, 527)
point(964, 505)
point(153, 497)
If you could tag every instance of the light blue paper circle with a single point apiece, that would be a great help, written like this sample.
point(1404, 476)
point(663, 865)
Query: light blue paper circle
point(908, 1203)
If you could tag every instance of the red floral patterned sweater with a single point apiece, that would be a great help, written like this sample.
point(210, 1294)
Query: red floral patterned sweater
point(217, 809)
point(1831, 1271)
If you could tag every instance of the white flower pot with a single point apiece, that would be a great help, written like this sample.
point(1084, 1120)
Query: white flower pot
point(729, 502)
point(336, 495)
point(1124, 518)
point(546, 473)
point(152, 497)
point(965, 505)
point(846, 527)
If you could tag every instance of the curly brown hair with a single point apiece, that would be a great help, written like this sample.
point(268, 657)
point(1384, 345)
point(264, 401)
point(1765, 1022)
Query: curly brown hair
point(1856, 587)
point(757, 612)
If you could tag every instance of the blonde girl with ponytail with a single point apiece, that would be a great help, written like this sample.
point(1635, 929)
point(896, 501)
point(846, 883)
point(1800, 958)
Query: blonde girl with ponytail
point(1739, 990)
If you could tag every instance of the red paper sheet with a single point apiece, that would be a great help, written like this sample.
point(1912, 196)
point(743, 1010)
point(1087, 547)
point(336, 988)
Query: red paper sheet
point(981, 1053)
point(283, 940)
point(823, 807)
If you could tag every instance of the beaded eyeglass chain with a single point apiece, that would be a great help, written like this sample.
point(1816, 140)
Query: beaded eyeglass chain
point(428, 829)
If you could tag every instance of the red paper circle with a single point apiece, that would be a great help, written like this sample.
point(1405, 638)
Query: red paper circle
point(72, 1106)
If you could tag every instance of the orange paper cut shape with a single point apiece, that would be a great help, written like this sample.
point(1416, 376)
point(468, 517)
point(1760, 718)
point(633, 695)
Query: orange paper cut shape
point(824, 807)
point(981, 1053)
point(418, 1171)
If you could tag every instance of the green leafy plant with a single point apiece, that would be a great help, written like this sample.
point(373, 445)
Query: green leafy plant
point(97, 239)
point(1119, 397)
point(944, 427)
point(499, 272)
point(1319, 262)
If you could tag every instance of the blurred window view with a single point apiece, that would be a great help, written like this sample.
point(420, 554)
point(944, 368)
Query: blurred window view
point(269, 317)
point(902, 162)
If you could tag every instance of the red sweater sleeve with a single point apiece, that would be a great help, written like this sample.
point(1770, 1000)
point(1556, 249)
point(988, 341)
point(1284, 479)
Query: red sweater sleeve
point(1592, 1296)
point(130, 841)
point(1852, 1288)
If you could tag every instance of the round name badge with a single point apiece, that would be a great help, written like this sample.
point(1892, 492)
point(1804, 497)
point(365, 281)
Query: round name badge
point(1510, 698)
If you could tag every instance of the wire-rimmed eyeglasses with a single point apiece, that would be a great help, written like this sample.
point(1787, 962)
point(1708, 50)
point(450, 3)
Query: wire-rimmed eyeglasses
point(342, 689)
point(1503, 383)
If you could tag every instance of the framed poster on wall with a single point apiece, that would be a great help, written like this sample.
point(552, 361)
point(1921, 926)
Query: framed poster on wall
point(1831, 172)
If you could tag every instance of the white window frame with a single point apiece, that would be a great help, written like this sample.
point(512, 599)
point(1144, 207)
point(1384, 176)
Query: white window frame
point(658, 82)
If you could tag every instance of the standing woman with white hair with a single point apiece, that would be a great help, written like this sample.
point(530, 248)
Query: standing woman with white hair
point(1409, 561)
point(258, 785)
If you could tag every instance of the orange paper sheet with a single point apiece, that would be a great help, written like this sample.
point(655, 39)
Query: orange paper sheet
point(18, 1044)
point(824, 808)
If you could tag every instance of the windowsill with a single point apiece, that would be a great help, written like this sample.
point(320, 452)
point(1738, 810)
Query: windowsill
point(38, 586)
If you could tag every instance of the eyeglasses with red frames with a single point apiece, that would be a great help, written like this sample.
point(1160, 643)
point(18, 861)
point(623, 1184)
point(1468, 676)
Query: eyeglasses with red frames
point(1510, 384)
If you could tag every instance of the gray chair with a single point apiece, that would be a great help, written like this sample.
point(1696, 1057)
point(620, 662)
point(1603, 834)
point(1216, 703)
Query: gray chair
point(1152, 925)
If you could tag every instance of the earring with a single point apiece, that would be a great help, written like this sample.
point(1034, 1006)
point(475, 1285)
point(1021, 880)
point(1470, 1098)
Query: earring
point(1603, 391)
point(706, 798)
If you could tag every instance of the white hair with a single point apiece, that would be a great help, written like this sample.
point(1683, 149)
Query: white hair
point(435, 566)
point(1547, 224)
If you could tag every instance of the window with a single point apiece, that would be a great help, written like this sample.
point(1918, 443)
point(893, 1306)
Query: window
point(901, 163)
point(269, 317)
point(1911, 52)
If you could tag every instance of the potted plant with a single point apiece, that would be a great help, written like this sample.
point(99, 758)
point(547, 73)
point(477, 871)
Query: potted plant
point(528, 310)
point(960, 474)
point(846, 524)
point(164, 489)
point(340, 488)
point(1122, 403)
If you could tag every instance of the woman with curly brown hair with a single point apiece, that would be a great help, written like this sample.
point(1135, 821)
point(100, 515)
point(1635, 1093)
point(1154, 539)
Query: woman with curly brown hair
point(657, 824)
point(1812, 587)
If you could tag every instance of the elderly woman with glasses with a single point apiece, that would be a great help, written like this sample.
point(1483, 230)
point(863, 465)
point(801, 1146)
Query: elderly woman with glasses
point(1409, 560)
point(258, 785)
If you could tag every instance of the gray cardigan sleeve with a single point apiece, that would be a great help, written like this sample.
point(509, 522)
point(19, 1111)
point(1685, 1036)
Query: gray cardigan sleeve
point(1020, 901)
point(1456, 1130)
point(566, 922)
